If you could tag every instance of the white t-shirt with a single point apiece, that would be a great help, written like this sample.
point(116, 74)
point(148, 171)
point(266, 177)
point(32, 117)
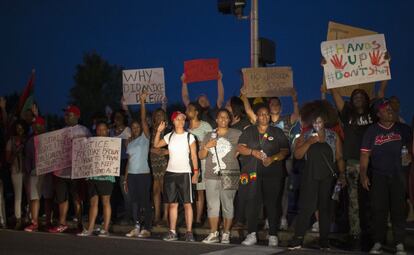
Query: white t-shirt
point(179, 152)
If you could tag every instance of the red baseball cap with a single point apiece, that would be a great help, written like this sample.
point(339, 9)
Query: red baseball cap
point(39, 121)
point(176, 114)
point(74, 109)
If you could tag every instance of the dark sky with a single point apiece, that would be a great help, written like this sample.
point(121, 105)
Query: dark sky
point(51, 36)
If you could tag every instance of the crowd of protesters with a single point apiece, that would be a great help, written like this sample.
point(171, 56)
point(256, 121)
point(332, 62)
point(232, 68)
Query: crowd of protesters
point(233, 164)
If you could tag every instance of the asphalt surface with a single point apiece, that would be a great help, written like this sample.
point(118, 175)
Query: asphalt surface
point(40, 243)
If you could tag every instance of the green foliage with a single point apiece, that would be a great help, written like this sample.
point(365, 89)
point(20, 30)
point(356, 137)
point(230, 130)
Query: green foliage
point(97, 84)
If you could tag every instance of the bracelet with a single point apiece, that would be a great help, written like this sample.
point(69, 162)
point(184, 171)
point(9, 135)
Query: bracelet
point(195, 170)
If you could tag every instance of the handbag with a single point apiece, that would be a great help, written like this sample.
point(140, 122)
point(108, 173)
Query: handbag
point(229, 179)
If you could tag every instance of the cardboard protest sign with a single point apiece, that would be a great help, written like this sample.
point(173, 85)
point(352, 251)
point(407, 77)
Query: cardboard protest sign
point(201, 70)
point(337, 31)
point(150, 80)
point(268, 81)
point(53, 151)
point(96, 156)
point(355, 61)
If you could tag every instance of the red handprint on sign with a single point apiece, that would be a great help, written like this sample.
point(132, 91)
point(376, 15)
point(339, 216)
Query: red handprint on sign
point(337, 62)
point(376, 58)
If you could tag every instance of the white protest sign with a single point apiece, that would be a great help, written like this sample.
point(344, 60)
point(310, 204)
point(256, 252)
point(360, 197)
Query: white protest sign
point(151, 80)
point(268, 81)
point(53, 151)
point(355, 60)
point(96, 156)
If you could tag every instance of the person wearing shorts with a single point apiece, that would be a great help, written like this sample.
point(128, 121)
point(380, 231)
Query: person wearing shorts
point(177, 179)
point(64, 185)
point(99, 187)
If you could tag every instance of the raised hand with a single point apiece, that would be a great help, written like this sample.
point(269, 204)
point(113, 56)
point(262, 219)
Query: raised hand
point(161, 126)
point(376, 58)
point(337, 62)
point(143, 96)
point(220, 75)
point(183, 78)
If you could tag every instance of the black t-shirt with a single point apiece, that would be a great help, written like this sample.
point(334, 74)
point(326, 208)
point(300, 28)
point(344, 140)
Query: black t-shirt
point(384, 145)
point(242, 124)
point(271, 142)
point(354, 127)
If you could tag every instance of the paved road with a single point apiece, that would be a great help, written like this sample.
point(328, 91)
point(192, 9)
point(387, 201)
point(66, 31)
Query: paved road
point(40, 243)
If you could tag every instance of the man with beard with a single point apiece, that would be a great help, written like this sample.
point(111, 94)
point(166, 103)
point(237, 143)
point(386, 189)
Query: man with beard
point(207, 114)
point(381, 146)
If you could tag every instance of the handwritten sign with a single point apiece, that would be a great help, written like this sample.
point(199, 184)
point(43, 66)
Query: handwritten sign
point(337, 31)
point(96, 156)
point(150, 80)
point(53, 151)
point(201, 70)
point(354, 61)
point(268, 81)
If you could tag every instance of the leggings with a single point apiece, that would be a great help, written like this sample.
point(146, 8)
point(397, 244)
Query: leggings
point(139, 190)
point(17, 180)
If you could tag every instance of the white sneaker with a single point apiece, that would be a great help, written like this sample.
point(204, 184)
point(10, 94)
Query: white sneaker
point(284, 224)
point(251, 239)
point(133, 233)
point(399, 249)
point(376, 249)
point(85, 232)
point(225, 238)
point(315, 227)
point(212, 238)
point(273, 241)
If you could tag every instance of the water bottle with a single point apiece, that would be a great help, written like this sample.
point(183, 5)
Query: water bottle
point(335, 194)
point(404, 156)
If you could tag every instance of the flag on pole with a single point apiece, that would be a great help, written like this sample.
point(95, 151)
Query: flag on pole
point(27, 97)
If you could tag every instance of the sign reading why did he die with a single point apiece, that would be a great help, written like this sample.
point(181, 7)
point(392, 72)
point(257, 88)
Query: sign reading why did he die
point(150, 80)
point(355, 60)
point(268, 81)
point(96, 156)
point(53, 151)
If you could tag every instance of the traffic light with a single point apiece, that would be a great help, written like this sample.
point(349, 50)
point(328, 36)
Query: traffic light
point(267, 54)
point(235, 7)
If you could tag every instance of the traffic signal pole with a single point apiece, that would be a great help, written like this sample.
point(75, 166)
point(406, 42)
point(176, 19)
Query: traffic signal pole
point(254, 34)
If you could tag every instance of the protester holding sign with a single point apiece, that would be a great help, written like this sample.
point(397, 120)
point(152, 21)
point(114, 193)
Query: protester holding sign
point(137, 181)
point(33, 183)
point(64, 185)
point(99, 187)
point(199, 129)
point(222, 174)
point(177, 179)
point(207, 113)
point(239, 118)
point(15, 156)
point(263, 173)
point(356, 117)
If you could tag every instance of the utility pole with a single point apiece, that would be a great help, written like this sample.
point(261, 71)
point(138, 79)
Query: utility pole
point(254, 34)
